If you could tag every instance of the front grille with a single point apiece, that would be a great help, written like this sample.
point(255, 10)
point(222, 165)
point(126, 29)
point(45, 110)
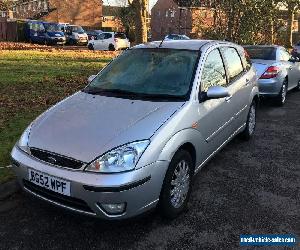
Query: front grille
point(59, 198)
point(55, 159)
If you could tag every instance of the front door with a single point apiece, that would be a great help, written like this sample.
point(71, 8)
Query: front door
point(291, 67)
point(98, 44)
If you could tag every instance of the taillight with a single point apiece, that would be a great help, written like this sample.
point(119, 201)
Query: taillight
point(271, 72)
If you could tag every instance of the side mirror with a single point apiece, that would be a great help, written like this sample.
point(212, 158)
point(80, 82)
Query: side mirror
point(214, 92)
point(91, 78)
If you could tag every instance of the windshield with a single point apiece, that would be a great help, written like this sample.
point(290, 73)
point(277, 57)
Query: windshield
point(148, 73)
point(263, 53)
point(77, 29)
point(52, 27)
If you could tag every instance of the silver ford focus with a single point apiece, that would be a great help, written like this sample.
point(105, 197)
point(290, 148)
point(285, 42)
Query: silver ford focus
point(137, 134)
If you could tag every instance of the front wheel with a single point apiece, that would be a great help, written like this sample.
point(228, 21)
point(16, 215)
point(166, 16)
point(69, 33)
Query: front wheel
point(177, 185)
point(251, 122)
point(90, 46)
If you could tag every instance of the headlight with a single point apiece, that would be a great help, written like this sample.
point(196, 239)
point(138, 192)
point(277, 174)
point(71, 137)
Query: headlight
point(23, 141)
point(121, 159)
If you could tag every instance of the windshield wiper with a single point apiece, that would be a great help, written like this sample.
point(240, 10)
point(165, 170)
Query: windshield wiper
point(134, 95)
point(95, 91)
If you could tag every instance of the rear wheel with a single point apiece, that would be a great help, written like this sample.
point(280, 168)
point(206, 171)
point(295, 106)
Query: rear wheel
point(111, 47)
point(281, 98)
point(177, 185)
point(251, 122)
point(298, 86)
point(90, 47)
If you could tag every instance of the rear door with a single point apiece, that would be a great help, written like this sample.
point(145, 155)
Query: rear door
point(240, 82)
point(107, 40)
point(215, 116)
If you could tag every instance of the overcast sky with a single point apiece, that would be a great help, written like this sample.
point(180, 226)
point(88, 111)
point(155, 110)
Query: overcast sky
point(117, 2)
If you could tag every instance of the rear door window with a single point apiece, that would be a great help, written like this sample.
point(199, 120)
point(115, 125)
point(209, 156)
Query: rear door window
point(234, 64)
point(213, 73)
point(245, 59)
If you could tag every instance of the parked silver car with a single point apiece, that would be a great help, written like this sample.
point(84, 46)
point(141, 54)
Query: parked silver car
point(136, 135)
point(278, 72)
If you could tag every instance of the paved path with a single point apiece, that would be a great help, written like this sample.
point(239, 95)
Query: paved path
point(251, 187)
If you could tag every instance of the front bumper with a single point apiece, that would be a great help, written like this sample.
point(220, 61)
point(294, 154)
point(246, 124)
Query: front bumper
point(270, 87)
point(139, 189)
point(57, 41)
point(82, 41)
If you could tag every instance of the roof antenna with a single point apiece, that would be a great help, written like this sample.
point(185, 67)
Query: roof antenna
point(162, 42)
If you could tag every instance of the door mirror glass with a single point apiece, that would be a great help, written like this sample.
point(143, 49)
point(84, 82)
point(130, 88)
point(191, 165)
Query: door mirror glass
point(91, 78)
point(216, 92)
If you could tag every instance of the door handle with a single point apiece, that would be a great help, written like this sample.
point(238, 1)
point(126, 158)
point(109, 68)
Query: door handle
point(228, 98)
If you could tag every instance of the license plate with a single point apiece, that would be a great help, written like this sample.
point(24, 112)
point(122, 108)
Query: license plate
point(49, 182)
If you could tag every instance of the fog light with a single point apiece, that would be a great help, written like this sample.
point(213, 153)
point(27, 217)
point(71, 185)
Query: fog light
point(114, 209)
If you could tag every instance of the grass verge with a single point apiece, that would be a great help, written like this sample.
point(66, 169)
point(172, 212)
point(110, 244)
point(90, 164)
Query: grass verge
point(33, 80)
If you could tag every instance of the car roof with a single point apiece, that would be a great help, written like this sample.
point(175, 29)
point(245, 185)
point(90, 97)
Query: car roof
point(181, 44)
point(264, 46)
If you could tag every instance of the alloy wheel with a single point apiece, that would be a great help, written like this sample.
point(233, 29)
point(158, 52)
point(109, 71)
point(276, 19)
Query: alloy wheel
point(252, 120)
point(283, 93)
point(180, 184)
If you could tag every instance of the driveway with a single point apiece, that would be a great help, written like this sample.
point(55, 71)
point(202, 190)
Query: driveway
point(249, 187)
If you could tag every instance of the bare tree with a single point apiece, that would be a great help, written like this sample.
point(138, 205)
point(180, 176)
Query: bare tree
point(140, 9)
point(292, 7)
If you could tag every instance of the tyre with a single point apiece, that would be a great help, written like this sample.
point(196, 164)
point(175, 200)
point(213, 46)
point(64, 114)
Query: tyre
point(111, 47)
point(90, 47)
point(298, 86)
point(281, 98)
point(177, 185)
point(250, 123)
point(71, 42)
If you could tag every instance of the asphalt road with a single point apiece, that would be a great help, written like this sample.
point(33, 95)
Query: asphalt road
point(248, 188)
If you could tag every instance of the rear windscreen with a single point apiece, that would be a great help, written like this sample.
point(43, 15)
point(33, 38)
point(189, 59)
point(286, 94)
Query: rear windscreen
point(263, 53)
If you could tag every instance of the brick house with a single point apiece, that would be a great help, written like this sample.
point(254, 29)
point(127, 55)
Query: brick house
point(81, 12)
point(168, 17)
point(110, 20)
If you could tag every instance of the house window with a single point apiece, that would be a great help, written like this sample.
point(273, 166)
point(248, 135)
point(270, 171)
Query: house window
point(172, 13)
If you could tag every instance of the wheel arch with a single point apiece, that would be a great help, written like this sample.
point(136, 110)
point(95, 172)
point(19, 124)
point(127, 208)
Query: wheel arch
point(190, 140)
